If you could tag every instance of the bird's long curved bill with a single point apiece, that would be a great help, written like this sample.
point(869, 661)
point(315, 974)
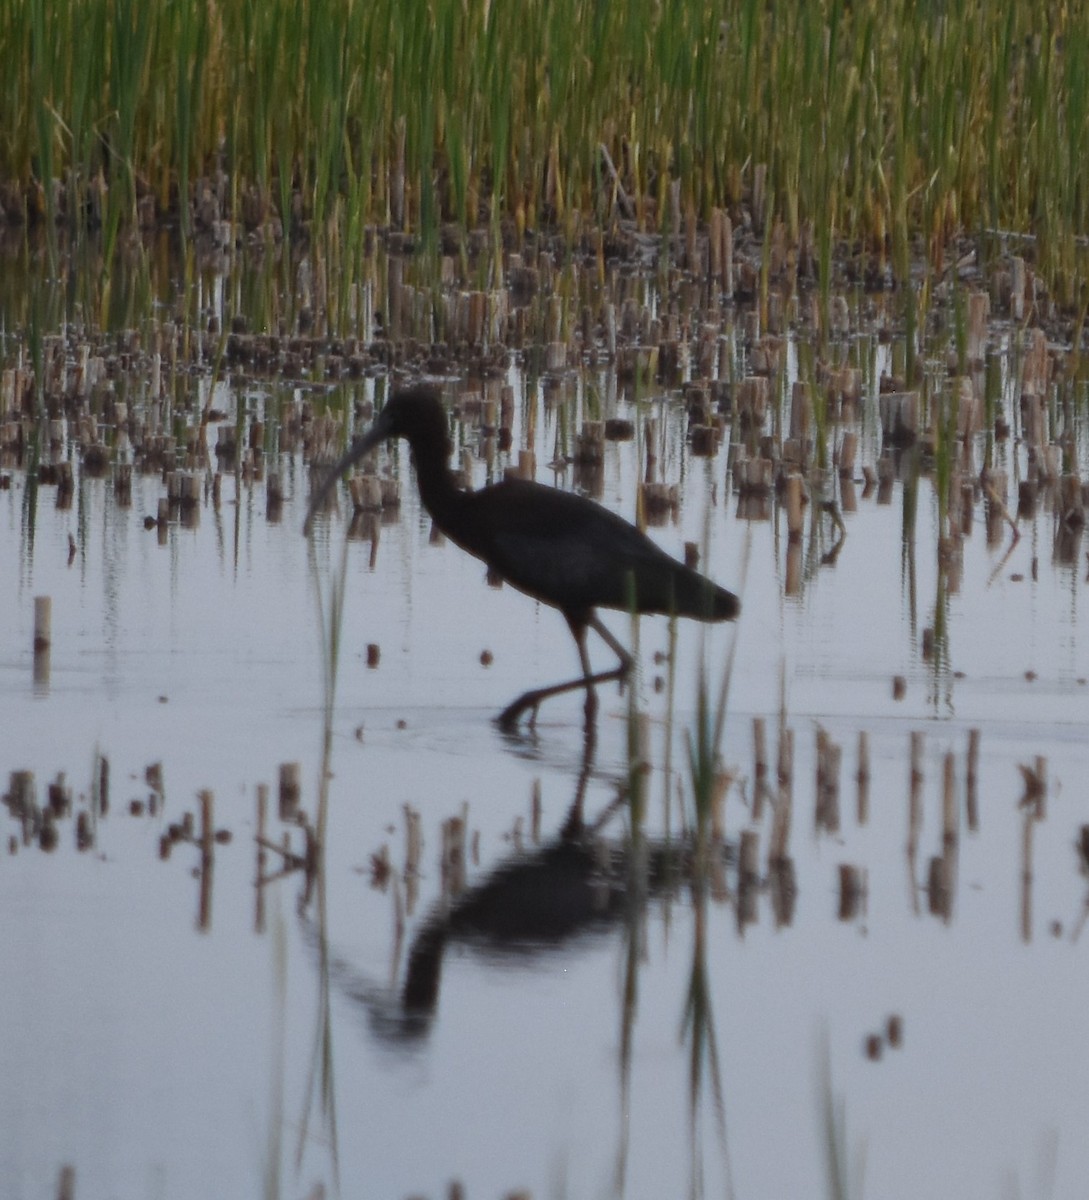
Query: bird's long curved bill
point(359, 448)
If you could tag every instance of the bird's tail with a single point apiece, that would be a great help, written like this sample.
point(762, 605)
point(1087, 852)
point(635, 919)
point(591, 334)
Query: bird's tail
point(709, 602)
point(686, 593)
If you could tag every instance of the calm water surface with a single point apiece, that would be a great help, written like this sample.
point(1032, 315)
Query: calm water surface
point(162, 1059)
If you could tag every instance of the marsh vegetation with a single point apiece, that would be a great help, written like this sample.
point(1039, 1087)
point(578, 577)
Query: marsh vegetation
point(797, 288)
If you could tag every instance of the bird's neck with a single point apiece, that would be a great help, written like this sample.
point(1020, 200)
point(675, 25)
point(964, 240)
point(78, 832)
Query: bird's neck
point(438, 491)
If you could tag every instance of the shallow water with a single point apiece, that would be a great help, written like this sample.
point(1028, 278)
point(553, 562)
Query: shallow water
point(161, 1057)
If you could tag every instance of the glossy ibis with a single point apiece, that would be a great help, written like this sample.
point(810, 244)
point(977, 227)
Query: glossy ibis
point(558, 547)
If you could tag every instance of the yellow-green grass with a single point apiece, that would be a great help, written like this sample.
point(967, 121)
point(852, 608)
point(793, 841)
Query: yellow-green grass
point(877, 122)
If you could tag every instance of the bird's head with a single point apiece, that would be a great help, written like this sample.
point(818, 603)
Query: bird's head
point(415, 414)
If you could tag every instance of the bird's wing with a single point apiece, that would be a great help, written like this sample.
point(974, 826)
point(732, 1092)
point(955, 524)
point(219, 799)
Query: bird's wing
point(571, 552)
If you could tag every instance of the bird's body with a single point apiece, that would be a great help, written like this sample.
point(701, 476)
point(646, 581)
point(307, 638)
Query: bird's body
point(558, 547)
point(571, 553)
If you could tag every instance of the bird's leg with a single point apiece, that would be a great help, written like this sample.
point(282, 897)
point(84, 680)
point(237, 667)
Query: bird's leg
point(508, 718)
point(626, 660)
point(590, 707)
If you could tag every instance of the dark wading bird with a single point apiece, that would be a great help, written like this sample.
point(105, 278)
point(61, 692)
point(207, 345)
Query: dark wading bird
point(559, 548)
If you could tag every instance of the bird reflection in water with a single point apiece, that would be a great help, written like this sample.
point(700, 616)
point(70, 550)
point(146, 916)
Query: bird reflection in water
point(539, 901)
point(542, 905)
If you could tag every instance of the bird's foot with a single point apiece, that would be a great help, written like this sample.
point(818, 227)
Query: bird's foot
point(507, 721)
point(531, 701)
point(510, 716)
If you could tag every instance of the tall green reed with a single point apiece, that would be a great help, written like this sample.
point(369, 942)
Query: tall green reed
point(873, 125)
